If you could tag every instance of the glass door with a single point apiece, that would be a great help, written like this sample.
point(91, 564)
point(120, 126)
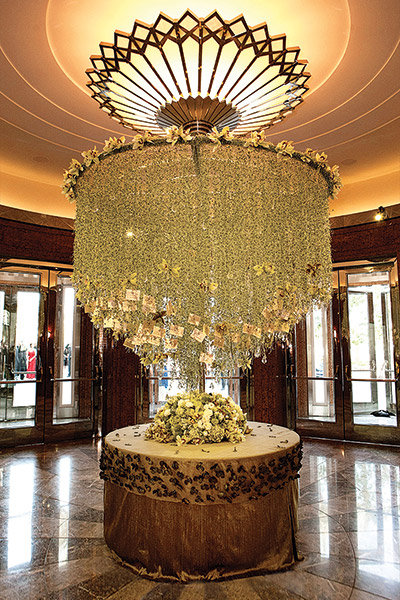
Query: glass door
point(345, 375)
point(371, 386)
point(315, 379)
point(70, 361)
point(46, 357)
point(21, 384)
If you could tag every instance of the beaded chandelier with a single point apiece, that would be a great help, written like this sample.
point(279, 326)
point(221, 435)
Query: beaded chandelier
point(200, 244)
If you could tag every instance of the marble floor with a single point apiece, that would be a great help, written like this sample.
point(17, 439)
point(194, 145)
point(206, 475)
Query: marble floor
point(51, 544)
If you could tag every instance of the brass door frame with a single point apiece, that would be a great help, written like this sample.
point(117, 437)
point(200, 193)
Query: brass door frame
point(372, 432)
point(44, 430)
point(344, 427)
point(10, 436)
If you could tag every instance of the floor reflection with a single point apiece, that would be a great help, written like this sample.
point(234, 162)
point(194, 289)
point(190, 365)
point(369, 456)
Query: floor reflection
point(64, 474)
point(20, 501)
point(52, 547)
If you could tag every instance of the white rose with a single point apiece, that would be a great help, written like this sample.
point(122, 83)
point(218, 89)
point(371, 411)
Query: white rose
point(207, 413)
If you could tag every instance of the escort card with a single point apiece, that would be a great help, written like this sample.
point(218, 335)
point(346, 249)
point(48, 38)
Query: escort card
point(176, 330)
point(266, 313)
point(208, 359)
point(247, 328)
point(194, 319)
point(149, 304)
point(147, 326)
point(158, 332)
point(133, 295)
point(171, 344)
point(198, 335)
point(131, 342)
point(170, 310)
point(219, 341)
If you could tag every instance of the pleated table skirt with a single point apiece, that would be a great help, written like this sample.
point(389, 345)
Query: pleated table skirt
point(175, 541)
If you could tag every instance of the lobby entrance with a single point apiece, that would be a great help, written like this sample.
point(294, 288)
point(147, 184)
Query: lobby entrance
point(46, 356)
point(344, 373)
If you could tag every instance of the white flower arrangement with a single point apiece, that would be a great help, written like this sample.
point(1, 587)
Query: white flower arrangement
point(198, 418)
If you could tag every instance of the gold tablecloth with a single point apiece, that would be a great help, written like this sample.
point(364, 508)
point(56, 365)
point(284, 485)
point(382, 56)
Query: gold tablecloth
point(202, 512)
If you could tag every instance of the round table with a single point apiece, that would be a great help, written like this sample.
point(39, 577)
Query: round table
point(202, 512)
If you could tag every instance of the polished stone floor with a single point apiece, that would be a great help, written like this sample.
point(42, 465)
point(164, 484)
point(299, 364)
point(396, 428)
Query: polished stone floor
point(51, 544)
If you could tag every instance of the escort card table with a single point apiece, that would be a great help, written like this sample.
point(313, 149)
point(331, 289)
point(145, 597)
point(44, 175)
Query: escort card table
point(202, 512)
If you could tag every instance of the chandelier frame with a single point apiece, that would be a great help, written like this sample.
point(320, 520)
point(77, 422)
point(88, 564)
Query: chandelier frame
point(132, 90)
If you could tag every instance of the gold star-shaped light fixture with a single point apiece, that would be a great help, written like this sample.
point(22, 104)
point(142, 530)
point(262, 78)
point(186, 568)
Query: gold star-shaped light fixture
point(198, 73)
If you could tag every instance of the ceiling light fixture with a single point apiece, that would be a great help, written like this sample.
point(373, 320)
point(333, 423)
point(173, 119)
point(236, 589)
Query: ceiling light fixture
point(198, 73)
point(196, 244)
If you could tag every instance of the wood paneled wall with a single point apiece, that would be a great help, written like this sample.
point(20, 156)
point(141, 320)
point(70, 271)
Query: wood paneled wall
point(121, 385)
point(35, 242)
point(370, 241)
point(270, 388)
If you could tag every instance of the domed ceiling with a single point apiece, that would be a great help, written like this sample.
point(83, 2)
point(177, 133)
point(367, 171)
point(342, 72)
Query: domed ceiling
point(351, 110)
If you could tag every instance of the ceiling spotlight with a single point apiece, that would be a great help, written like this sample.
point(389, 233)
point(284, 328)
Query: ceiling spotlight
point(199, 74)
point(381, 214)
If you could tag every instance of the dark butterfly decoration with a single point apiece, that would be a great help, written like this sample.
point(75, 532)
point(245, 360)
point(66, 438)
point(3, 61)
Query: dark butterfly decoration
point(312, 269)
point(158, 316)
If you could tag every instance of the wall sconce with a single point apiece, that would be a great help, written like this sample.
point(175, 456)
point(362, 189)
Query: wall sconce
point(381, 214)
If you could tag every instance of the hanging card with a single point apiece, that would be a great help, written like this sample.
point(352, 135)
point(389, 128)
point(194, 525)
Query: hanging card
point(247, 328)
point(206, 358)
point(171, 344)
point(198, 335)
point(194, 319)
point(149, 304)
point(158, 332)
point(176, 330)
point(133, 295)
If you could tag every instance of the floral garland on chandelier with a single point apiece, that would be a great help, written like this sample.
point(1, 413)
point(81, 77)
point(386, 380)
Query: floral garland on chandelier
point(207, 249)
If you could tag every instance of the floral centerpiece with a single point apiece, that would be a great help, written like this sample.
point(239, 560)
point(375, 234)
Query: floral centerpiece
point(198, 418)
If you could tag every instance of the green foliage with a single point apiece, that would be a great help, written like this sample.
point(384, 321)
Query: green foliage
point(227, 239)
